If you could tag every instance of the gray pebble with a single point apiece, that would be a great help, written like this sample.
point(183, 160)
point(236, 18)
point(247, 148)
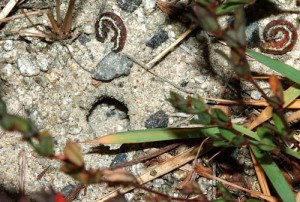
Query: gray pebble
point(83, 39)
point(158, 38)
point(74, 130)
point(149, 4)
point(158, 120)
point(43, 62)
point(112, 66)
point(158, 182)
point(120, 158)
point(8, 45)
point(7, 71)
point(67, 190)
point(255, 95)
point(129, 5)
point(27, 67)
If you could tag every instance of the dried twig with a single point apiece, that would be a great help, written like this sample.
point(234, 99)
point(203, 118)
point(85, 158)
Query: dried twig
point(171, 47)
point(190, 91)
point(22, 169)
point(9, 6)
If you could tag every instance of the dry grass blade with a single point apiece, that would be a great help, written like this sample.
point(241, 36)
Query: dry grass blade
point(66, 26)
point(159, 170)
point(9, 6)
point(171, 47)
point(58, 16)
point(253, 193)
point(260, 103)
point(261, 177)
point(186, 90)
point(24, 15)
point(294, 116)
point(147, 156)
point(22, 167)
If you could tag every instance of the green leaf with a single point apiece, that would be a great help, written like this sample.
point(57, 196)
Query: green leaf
point(3, 109)
point(291, 152)
point(153, 135)
point(16, 123)
point(242, 129)
point(280, 67)
point(45, 145)
point(73, 154)
point(280, 125)
point(198, 104)
point(240, 26)
point(220, 143)
point(227, 134)
point(206, 19)
point(219, 115)
point(266, 144)
point(179, 102)
point(274, 174)
point(204, 118)
point(263, 131)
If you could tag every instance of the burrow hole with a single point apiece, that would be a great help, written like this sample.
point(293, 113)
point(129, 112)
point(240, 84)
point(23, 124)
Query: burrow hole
point(108, 115)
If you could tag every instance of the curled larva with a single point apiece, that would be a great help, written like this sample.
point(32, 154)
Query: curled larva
point(111, 21)
point(279, 37)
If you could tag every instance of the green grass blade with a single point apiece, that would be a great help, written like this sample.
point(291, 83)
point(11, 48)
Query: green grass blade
point(274, 174)
point(280, 67)
point(242, 129)
point(153, 135)
point(291, 152)
point(290, 94)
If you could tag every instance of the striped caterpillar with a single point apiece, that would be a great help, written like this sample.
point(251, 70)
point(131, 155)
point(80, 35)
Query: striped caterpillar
point(111, 21)
point(279, 37)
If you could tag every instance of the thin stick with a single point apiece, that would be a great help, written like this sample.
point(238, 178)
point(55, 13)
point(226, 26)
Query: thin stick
point(165, 167)
point(49, 35)
point(190, 91)
point(6, 10)
point(53, 22)
point(261, 177)
point(22, 168)
point(57, 8)
point(261, 103)
point(252, 192)
point(39, 177)
point(147, 156)
point(23, 15)
point(171, 47)
point(66, 26)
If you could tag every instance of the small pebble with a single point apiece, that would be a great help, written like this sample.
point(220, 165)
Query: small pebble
point(179, 175)
point(26, 66)
point(112, 66)
point(66, 190)
point(158, 120)
point(74, 130)
point(158, 182)
point(158, 38)
point(149, 4)
point(255, 95)
point(43, 62)
point(8, 45)
point(83, 39)
point(120, 158)
point(129, 5)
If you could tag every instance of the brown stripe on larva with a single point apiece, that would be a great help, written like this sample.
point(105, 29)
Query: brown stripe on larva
point(111, 21)
point(279, 37)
